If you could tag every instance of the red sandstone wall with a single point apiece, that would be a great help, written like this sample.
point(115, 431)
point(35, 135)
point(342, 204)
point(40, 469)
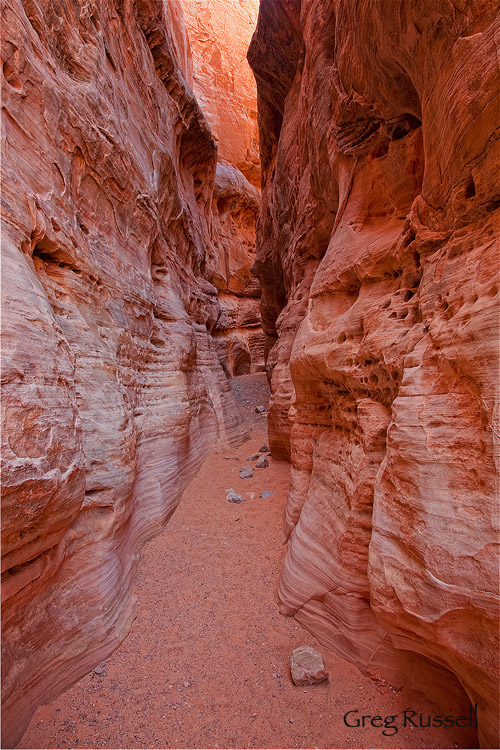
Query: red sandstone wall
point(219, 34)
point(112, 386)
point(238, 334)
point(378, 260)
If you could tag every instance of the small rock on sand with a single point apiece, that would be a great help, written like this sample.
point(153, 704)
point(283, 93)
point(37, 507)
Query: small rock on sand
point(307, 666)
point(246, 472)
point(264, 449)
point(266, 493)
point(260, 409)
point(231, 458)
point(262, 463)
point(253, 457)
point(99, 671)
point(233, 497)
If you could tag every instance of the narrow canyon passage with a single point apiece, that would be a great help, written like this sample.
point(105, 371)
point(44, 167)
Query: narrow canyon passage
point(206, 662)
point(199, 195)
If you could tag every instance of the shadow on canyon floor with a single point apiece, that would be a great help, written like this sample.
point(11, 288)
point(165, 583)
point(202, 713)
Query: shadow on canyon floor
point(206, 662)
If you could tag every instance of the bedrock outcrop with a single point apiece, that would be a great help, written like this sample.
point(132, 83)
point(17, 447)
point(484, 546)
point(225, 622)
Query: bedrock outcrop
point(219, 34)
point(377, 252)
point(112, 385)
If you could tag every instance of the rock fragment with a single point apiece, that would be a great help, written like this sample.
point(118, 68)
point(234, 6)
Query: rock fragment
point(262, 463)
point(253, 457)
point(99, 671)
point(233, 497)
point(264, 449)
point(307, 666)
point(246, 472)
point(260, 409)
point(265, 494)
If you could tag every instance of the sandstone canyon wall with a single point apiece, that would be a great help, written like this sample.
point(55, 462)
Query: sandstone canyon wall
point(219, 34)
point(112, 385)
point(377, 252)
point(238, 334)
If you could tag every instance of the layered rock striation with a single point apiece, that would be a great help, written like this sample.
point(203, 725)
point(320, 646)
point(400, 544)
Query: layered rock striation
point(378, 260)
point(112, 385)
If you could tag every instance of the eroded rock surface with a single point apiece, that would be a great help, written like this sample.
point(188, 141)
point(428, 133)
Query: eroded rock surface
point(112, 385)
point(218, 35)
point(378, 261)
point(237, 334)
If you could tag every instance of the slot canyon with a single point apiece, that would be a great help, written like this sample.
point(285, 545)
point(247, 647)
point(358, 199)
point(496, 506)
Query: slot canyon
point(250, 254)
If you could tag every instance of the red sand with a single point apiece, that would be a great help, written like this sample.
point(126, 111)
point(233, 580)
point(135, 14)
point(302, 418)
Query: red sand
point(206, 663)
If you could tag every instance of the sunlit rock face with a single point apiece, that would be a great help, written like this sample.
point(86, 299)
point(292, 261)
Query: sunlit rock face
point(219, 34)
point(112, 385)
point(378, 260)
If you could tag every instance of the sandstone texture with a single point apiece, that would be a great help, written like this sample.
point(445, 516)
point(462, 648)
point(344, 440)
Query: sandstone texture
point(378, 259)
point(112, 385)
point(219, 34)
point(307, 666)
point(237, 333)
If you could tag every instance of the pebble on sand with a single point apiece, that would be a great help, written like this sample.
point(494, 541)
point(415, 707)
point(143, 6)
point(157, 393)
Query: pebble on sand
point(262, 463)
point(233, 497)
point(307, 666)
point(246, 472)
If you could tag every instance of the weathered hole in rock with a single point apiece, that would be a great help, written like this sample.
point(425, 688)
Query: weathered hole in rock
point(470, 189)
point(242, 364)
point(405, 126)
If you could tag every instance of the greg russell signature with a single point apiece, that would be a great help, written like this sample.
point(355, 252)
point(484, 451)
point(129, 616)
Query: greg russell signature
point(392, 724)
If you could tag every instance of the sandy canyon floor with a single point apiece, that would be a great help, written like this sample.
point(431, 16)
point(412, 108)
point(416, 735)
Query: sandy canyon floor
point(206, 664)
